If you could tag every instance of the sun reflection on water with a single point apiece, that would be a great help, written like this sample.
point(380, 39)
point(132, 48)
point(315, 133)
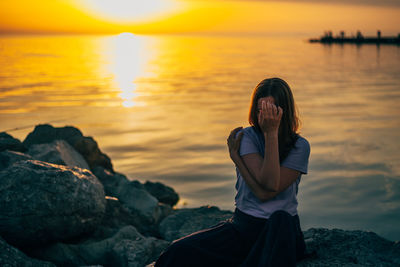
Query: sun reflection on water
point(128, 57)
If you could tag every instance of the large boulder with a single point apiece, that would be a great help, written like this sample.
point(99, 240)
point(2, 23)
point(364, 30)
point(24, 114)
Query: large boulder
point(186, 221)
point(42, 202)
point(10, 143)
point(163, 193)
point(58, 152)
point(8, 157)
point(349, 248)
point(86, 146)
point(10, 256)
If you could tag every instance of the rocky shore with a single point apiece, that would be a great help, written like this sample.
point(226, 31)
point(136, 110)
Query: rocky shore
point(63, 204)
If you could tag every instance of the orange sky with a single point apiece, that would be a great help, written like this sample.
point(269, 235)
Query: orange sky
point(194, 16)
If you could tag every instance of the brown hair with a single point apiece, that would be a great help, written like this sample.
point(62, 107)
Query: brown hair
point(290, 124)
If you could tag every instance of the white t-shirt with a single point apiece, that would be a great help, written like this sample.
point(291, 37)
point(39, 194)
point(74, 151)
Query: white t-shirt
point(297, 159)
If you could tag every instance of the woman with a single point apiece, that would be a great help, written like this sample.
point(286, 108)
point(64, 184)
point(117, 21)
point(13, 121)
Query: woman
point(270, 158)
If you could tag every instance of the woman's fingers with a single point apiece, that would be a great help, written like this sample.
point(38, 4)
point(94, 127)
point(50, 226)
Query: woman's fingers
point(280, 113)
point(232, 135)
point(274, 111)
point(233, 141)
point(235, 131)
point(270, 114)
point(264, 108)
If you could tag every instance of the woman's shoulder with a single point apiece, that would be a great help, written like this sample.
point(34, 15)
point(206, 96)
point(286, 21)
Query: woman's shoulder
point(250, 130)
point(302, 144)
point(302, 141)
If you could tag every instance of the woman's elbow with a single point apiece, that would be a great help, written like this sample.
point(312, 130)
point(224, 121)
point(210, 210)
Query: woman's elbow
point(269, 187)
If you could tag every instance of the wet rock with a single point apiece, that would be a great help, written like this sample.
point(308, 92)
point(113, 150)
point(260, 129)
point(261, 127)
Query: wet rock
point(11, 256)
point(86, 146)
point(42, 202)
point(58, 152)
point(10, 143)
point(163, 193)
point(8, 157)
point(349, 248)
point(183, 222)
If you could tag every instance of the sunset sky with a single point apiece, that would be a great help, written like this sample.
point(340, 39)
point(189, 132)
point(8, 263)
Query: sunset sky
point(197, 16)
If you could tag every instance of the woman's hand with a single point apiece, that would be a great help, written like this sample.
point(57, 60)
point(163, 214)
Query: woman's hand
point(233, 142)
point(269, 118)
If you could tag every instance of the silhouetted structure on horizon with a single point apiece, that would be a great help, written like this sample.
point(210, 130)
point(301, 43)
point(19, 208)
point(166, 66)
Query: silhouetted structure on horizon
point(328, 38)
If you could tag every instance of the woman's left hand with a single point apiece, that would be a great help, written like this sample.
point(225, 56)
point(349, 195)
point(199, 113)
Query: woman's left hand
point(233, 142)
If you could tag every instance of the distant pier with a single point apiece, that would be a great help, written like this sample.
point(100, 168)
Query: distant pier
point(328, 38)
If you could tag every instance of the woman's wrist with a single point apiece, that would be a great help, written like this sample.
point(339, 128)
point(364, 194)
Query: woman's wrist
point(271, 134)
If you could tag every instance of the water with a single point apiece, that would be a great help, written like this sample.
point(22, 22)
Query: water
point(162, 107)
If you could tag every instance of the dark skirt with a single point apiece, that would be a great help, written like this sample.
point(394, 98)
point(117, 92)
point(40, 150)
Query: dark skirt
point(242, 240)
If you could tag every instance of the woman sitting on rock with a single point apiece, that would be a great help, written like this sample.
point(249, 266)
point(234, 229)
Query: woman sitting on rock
point(270, 158)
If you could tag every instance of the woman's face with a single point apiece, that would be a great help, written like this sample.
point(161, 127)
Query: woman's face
point(266, 99)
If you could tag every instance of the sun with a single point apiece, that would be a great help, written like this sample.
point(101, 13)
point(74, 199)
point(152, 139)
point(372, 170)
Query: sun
point(131, 11)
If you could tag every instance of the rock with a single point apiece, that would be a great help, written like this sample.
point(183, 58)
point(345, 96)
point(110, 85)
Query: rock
point(165, 210)
point(137, 253)
point(86, 146)
point(10, 256)
point(347, 248)
point(102, 252)
point(8, 157)
point(133, 196)
point(135, 199)
point(112, 182)
point(89, 149)
point(58, 152)
point(163, 193)
point(42, 202)
point(186, 221)
point(10, 143)
point(118, 216)
point(59, 253)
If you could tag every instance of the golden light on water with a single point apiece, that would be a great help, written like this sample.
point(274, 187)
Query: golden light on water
point(128, 55)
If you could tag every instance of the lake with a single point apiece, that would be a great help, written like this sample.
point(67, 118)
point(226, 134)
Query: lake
point(162, 106)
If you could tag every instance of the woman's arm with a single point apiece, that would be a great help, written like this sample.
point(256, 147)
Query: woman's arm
point(267, 170)
point(288, 176)
point(234, 146)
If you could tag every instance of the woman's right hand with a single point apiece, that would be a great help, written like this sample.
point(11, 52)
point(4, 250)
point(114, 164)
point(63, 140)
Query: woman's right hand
point(269, 118)
point(233, 142)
